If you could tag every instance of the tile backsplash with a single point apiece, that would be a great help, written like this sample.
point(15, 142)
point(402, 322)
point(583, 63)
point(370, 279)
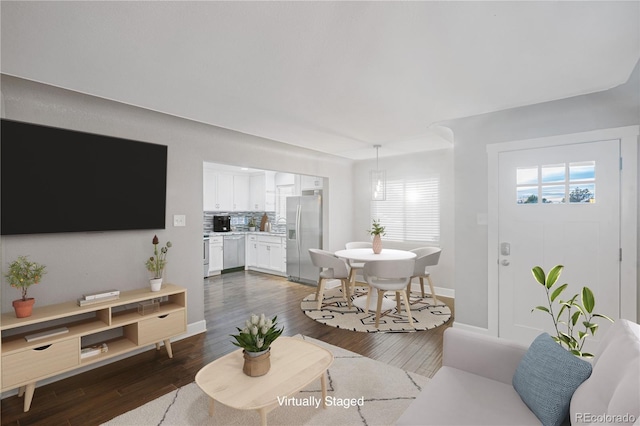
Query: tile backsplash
point(240, 220)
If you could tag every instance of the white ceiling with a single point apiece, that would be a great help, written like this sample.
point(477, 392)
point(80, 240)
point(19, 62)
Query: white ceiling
point(336, 77)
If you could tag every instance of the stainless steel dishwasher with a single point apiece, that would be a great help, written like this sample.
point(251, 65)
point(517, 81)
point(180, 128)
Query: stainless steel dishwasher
point(233, 251)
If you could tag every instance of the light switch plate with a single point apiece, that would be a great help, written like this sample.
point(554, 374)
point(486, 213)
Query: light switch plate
point(179, 220)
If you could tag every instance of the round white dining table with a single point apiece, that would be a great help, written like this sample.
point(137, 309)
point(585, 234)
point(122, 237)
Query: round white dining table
point(367, 255)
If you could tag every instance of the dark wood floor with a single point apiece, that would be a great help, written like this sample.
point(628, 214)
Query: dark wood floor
point(99, 395)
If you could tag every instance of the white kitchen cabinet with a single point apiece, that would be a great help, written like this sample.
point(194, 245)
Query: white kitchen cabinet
point(241, 193)
point(257, 192)
point(262, 190)
point(216, 255)
point(270, 253)
point(225, 192)
point(210, 190)
point(266, 253)
point(310, 182)
point(251, 256)
point(233, 192)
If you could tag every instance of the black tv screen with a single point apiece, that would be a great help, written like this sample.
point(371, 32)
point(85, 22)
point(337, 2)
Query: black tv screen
point(56, 180)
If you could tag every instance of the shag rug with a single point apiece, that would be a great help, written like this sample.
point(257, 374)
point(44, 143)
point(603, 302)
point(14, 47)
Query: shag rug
point(336, 313)
point(381, 394)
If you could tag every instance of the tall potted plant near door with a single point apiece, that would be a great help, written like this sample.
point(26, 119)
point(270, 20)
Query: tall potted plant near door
point(23, 274)
point(377, 231)
point(156, 263)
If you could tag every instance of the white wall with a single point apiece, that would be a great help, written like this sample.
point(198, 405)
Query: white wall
point(82, 262)
point(422, 164)
point(616, 107)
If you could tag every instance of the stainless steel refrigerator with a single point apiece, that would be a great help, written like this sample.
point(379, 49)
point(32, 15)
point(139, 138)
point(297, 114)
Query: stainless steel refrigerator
point(304, 231)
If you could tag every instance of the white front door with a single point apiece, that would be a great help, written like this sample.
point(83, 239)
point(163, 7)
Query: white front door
point(558, 205)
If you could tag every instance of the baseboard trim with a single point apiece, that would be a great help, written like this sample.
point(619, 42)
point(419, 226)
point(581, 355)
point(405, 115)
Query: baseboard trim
point(472, 328)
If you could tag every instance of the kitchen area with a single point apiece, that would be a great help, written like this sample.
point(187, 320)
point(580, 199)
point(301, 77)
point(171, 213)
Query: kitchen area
point(260, 220)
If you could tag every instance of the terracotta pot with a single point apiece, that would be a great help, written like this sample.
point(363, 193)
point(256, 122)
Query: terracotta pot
point(23, 308)
point(377, 244)
point(256, 363)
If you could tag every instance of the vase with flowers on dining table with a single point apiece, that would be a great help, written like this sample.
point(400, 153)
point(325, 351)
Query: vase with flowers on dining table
point(377, 231)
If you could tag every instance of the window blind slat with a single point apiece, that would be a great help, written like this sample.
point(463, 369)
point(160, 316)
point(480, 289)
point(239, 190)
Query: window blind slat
point(411, 211)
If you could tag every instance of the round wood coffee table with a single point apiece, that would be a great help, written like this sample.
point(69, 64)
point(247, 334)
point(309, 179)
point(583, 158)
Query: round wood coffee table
point(294, 364)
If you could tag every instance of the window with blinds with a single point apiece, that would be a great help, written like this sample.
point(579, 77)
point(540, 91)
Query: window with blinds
point(282, 192)
point(411, 211)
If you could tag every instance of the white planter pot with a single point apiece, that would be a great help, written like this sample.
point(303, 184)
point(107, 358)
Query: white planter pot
point(156, 284)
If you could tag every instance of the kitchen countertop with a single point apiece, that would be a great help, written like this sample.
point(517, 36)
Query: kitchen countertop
point(222, 234)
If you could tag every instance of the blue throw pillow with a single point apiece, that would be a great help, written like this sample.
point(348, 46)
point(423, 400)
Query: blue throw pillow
point(546, 378)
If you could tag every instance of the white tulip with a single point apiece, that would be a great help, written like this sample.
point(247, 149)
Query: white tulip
point(254, 330)
point(254, 319)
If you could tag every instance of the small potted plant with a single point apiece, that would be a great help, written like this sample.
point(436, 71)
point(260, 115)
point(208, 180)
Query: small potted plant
point(377, 231)
point(252, 224)
point(156, 263)
point(23, 274)
point(256, 338)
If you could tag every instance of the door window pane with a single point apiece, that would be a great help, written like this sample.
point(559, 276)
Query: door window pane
point(553, 173)
point(582, 193)
point(527, 176)
point(553, 194)
point(528, 195)
point(585, 170)
point(553, 187)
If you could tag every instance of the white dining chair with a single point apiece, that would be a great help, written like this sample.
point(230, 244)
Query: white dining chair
point(425, 256)
point(389, 275)
point(331, 268)
point(356, 266)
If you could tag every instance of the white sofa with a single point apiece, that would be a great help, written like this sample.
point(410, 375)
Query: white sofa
point(474, 385)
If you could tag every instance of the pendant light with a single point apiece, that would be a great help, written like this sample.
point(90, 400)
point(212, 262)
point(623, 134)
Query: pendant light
point(378, 181)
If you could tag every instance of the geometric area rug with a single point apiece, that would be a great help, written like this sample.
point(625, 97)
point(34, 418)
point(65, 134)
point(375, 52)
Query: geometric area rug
point(335, 312)
point(380, 394)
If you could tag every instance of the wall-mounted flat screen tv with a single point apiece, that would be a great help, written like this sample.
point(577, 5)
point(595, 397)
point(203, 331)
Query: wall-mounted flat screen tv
point(55, 180)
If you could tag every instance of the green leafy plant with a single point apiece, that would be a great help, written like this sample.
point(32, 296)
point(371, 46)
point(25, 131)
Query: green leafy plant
point(571, 308)
point(156, 263)
point(258, 333)
point(252, 222)
point(23, 274)
point(376, 228)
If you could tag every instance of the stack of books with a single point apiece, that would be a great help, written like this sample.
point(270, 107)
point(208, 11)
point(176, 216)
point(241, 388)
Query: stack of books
point(93, 350)
point(103, 296)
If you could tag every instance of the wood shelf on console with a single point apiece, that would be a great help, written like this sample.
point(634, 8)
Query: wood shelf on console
point(24, 363)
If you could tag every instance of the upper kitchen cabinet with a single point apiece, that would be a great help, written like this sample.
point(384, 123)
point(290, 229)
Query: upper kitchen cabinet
point(233, 192)
point(262, 191)
point(210, 190)
point(310, 182)
point(224, 191)
point(241, 193)
point(257, 186)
